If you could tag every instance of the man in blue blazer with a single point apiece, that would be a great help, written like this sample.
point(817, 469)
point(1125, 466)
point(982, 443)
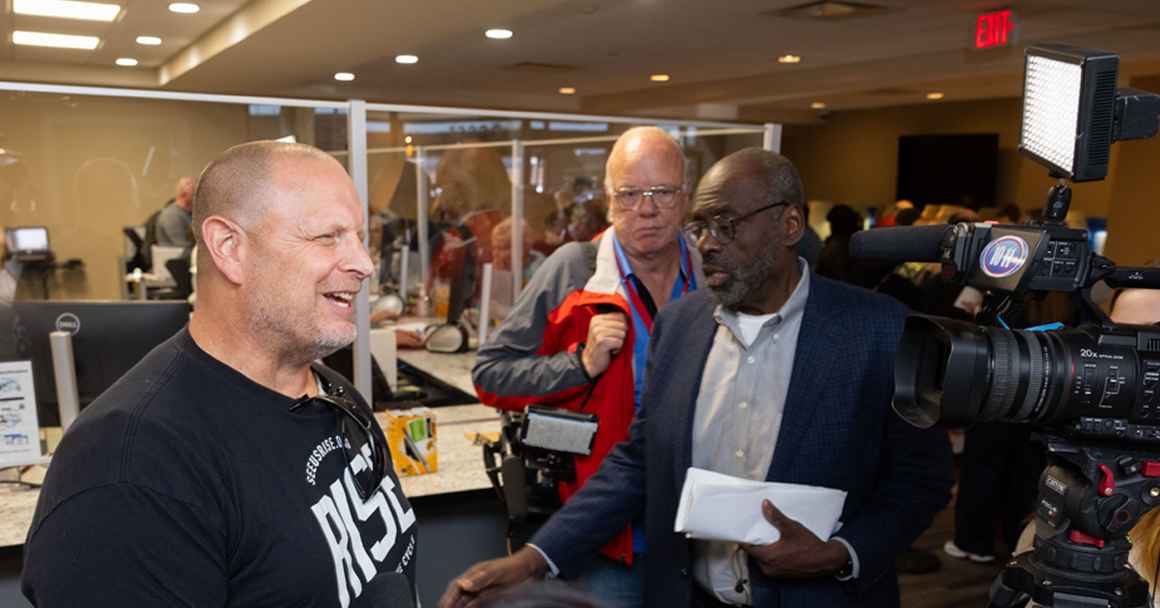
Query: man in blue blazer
point(771, 374)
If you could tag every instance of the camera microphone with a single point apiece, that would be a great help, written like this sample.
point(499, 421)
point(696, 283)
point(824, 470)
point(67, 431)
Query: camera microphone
point(900, 243)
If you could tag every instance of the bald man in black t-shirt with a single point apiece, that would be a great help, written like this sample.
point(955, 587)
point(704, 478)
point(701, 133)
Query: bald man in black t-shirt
point(227, 468)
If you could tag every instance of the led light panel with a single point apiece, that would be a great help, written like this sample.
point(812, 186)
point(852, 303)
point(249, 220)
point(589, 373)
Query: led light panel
point(67, 9)
point(60, 41)
point(1051, 99)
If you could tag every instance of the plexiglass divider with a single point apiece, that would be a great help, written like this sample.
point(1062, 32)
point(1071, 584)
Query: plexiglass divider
point(452, 188)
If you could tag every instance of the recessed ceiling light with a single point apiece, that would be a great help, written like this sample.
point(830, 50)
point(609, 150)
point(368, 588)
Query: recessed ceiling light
point(789, 59)
point(185, 8)
point(567, 90)
point(60, 41)
point(148, 40)
point(659, 77)
point(818, 105)
point(127, 62)
point(343, 76)
point(498, 33)
point(67, 9)
point(407, 59)
point(934, 96)
point(407, 139)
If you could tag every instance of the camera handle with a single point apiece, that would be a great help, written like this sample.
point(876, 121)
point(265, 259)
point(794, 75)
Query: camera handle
point(1089, 498)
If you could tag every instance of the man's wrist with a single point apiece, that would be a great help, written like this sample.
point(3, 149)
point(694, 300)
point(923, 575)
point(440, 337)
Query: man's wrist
point(837, 558)
point(533, 561)
point(583, 362)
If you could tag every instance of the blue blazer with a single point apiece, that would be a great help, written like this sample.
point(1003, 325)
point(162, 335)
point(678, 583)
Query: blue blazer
point(838, 431)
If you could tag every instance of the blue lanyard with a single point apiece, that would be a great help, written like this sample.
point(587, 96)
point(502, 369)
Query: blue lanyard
point(642, 319)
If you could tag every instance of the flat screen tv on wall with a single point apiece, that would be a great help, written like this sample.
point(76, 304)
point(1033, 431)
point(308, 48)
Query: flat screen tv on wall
point(948, 169)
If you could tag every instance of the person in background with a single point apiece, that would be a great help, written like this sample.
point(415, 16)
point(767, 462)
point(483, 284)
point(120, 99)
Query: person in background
point(890, 217)
point(501, 249)
point(473, 195)
point(834, 261)
point(771, 374)
point(555, 232)
point(884, 278)
point(175, 223)
point(578, 335)
point(1136, 306)
point(810, 247)
point(228, 468)
point(587, 220)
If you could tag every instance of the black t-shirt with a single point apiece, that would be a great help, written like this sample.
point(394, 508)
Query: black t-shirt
point(187, 484)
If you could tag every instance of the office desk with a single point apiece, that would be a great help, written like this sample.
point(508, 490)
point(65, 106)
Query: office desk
point(460, 469)
point(452, 369)
point(17, 504)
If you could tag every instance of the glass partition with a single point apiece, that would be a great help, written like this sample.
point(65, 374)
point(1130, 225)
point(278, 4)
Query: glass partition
point(463, 204)
point(493, 196)
point(91, 170)
point(88, 184)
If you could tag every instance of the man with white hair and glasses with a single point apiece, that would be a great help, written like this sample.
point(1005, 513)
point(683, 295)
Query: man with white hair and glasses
point(578, 336)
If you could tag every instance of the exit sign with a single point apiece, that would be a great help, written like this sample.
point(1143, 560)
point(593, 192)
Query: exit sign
point(995, 29)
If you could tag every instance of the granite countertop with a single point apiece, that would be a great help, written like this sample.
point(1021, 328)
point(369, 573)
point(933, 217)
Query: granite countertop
point(17, 504)
point(460, 460)
point(454, 369)
point(460, 469)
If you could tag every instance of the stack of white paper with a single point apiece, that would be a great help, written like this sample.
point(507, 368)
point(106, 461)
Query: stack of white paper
point(720, 507)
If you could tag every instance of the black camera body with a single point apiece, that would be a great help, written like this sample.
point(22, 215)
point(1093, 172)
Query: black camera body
point(1090, 391)
point(1017, 258)
point(1099, 380)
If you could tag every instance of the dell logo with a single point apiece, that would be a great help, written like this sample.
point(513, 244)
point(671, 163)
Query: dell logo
point(1004, 256)
point(68, 322)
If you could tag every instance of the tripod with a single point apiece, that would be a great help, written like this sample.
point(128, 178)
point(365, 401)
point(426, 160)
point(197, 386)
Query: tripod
point(1090, 496)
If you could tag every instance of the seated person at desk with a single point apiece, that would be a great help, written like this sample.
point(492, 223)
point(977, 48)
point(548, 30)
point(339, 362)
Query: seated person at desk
point(578, 335)
point(227, 468)
point(175, 223)
point(771, 374)
point(473, 191)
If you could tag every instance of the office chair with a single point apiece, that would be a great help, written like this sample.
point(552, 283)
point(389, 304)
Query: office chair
point(183, 280)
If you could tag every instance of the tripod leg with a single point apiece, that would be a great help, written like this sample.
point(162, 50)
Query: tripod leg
point(1004, 596)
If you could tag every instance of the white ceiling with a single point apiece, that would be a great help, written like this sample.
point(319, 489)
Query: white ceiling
point(119, 38)
point(721, 54)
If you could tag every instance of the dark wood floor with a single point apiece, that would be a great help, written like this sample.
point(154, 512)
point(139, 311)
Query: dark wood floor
point(959, 583)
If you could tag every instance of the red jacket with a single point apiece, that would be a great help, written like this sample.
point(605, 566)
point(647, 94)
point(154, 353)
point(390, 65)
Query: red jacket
point(532, 359)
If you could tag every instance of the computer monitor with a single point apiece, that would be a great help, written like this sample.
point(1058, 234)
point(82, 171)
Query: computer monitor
point(26, 240)
point(109, 338)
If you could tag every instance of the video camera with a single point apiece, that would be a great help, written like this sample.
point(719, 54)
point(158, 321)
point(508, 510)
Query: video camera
point(1098, 380)
point(1091, 390)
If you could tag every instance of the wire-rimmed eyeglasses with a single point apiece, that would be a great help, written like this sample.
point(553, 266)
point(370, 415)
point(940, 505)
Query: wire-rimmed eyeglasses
point(665, 197)
point(722, 229)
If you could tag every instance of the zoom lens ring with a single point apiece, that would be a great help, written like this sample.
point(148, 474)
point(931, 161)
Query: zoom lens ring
point(1002, 393)
point(1036, 368)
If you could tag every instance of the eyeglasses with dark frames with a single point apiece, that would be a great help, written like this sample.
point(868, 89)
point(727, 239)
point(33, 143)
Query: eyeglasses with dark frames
point(722, 229)
point(665, 197)
point(356, 427)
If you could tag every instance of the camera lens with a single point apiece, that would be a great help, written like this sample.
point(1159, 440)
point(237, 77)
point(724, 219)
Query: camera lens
point(957, 373)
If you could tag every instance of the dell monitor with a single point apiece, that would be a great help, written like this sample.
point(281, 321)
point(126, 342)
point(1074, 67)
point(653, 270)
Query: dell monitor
point(108, 339)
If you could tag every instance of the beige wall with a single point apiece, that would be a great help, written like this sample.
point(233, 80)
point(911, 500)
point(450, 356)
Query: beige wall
point(853, 157)
point(1134, 223)
point(87, 166)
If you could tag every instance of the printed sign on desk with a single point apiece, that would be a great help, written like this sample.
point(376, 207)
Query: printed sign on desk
point(19, 428)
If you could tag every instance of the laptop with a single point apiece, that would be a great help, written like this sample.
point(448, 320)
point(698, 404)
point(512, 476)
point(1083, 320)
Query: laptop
point(27, 243)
